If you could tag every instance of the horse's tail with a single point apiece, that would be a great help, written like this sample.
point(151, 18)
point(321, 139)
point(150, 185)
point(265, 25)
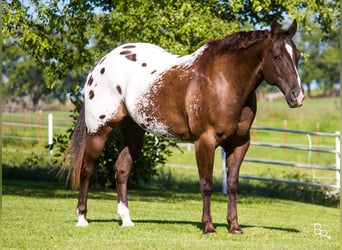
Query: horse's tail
point(75, 153)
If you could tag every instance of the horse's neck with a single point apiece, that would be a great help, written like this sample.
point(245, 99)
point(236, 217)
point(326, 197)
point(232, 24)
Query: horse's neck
point(247, 63)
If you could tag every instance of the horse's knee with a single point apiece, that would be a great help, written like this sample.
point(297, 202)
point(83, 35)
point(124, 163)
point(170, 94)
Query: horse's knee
point(122, 174)
point(233, 186)
point(122, 170)
point(206, 187)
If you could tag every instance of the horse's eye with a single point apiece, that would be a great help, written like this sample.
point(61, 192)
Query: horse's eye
point(277, 57)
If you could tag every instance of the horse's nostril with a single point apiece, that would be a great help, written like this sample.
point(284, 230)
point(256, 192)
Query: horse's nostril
point(293, 95)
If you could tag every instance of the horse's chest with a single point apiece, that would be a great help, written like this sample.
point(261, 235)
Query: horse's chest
point(234, 123)
point(245, 121)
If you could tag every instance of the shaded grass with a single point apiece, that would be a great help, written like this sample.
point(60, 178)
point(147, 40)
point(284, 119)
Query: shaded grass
point(40, 215)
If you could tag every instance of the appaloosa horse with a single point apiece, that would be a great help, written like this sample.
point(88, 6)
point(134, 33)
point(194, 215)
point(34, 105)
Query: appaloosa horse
point(207, 97)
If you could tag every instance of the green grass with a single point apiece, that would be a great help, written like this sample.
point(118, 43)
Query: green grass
point(322, 111)
point(41, 215)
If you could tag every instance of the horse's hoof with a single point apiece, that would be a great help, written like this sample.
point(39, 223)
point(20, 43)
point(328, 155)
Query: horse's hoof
point(209, 230)
point(127, 223)
point(235, 231)
point(82, 222)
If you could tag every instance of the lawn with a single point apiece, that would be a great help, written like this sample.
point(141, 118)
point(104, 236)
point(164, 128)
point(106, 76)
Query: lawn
point(41, 215)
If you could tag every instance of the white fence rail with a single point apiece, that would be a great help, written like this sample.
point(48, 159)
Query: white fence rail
point(335, 151)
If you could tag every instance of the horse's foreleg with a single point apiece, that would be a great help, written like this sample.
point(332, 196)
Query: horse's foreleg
point(94, 147)
point(234, 159)
point(132, 138)
point(205, 151)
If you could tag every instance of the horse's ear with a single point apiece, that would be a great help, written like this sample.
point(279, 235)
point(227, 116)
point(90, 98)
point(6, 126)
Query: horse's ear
point(274, 28)
point(292, 30)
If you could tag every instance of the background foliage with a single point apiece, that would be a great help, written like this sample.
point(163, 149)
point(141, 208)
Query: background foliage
point(53, 44)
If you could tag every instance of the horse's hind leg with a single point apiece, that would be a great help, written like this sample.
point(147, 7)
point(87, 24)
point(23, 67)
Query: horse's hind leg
point(132, 138)
point(94, 147)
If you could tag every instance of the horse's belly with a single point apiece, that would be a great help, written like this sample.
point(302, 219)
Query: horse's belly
point(149, 115)
point(159, 108)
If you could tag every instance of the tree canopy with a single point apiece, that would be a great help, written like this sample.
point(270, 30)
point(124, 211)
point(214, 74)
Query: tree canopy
point(66, 37)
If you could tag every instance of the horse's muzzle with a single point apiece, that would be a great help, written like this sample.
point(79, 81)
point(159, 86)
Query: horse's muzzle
point(295, 100)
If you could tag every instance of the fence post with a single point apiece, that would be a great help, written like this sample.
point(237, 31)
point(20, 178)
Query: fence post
point(40, 121)
point(338, 159)
point(285, 136)
point(50, 133)
point(318, 138)
point(224, 172)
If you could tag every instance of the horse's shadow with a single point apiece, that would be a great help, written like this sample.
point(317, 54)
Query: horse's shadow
point(199, 225)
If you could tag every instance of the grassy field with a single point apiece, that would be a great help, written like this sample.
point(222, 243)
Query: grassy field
point(41, 215)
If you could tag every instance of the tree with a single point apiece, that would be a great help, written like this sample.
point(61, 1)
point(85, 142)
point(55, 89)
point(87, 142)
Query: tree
point(321, 60)
point(65, 37)
point(24, 77)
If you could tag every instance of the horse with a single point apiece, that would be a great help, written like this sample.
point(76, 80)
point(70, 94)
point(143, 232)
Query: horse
point(207, 97)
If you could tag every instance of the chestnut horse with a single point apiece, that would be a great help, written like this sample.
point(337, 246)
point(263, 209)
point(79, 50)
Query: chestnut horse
point(207, 97)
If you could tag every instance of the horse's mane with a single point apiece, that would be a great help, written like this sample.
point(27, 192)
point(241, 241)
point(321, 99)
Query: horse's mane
point(238, 40)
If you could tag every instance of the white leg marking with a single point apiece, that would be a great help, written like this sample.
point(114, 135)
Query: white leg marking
point(82, 221)
point(123, 213)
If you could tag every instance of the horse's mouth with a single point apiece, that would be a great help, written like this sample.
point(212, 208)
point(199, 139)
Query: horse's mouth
point(295, 105)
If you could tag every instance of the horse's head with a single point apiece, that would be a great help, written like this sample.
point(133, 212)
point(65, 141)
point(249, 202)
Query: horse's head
point(281, 64)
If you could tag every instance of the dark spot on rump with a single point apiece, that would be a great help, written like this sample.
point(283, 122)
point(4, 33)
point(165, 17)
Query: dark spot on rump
point(144, 64)
point(91, 94)
point(143, 126)
point(154, 71)
point(125, 52)
point(102, 70)
point(102, 60)
point(102, 116)
point(118, 88)
point(132, 57)
point(174, 66)
point(129, 47)
point(90, 81)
